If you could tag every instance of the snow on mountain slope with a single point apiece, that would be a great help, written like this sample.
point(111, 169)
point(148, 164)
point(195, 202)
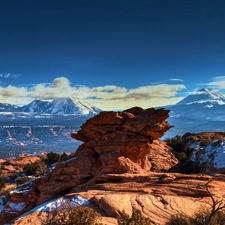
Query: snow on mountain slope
point(59, 106)
point(36, 106)
point(71, 106)
point(205, 95)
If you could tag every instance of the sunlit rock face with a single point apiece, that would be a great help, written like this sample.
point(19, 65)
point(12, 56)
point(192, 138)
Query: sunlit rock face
point(122, 141)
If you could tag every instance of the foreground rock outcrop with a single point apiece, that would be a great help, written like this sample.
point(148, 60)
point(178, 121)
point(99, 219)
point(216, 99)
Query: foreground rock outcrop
point(157, 195)
point(114, 143)
point(121, 165)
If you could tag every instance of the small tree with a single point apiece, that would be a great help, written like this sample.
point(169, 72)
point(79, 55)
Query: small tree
point(216, 205)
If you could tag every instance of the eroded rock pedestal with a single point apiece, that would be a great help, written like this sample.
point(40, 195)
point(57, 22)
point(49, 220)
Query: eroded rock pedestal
point(121, 141)
point(114, 143)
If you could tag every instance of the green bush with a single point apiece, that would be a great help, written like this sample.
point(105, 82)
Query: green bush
point(135, 219)
point(51, 158)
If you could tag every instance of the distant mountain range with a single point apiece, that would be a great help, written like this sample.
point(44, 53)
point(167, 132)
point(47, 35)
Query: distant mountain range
point(58, 106)
point(203, 110)
point(47, 126)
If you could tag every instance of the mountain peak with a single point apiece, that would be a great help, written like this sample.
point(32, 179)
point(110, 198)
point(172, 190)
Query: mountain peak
point(56, 106)
point(204, 95)
point(205, 89)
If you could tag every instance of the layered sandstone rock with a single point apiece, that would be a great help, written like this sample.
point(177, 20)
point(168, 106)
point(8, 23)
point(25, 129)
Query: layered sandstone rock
point(157, 195)
point(122, 140)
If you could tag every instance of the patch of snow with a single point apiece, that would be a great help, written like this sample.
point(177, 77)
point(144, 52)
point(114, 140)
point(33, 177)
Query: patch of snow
point(211, 153)
point(68, 160)
point(218, 153)
point(196, 147)
point(1, 204)
point(24, 188)
point(56, 204)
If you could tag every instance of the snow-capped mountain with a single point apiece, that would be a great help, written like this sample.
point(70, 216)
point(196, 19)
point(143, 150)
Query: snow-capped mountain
point(59, 106)
point(42, 126)
point(205, 95)
point(71, 106)
point(198, 112)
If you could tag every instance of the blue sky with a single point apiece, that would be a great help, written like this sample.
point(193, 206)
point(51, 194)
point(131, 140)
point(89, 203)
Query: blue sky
point(114, 53)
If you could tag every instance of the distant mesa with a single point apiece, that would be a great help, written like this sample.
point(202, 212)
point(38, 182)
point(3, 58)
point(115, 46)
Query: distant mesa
point(58, 106)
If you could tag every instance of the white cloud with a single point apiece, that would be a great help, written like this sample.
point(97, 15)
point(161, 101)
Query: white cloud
point(108, 97)
point(217, 82)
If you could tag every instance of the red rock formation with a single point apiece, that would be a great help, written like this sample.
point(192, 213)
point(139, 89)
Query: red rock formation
point(114, 143)
point(122, 140)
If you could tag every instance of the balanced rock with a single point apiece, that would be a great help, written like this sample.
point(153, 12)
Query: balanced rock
point(122, 140)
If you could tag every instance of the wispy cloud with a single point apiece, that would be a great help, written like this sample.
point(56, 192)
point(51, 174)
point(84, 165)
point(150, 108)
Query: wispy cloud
point(5, 75)
point(217, 82)
point(108, 97)
point(176, 80)
point(9, 75)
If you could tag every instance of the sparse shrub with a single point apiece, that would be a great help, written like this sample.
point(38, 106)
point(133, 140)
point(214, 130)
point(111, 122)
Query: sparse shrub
point(83, 216)
point(136, 219)
point(199, 218)
point(35, 168)
point(70, 215)
point(2, 183)
point(175, 143)
point(203, 142)
point(64, 157)
point(189, 167)
point(179, 219)
point(51, 158)
point(181, 156)
point(188, 150)
point(186, 135)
